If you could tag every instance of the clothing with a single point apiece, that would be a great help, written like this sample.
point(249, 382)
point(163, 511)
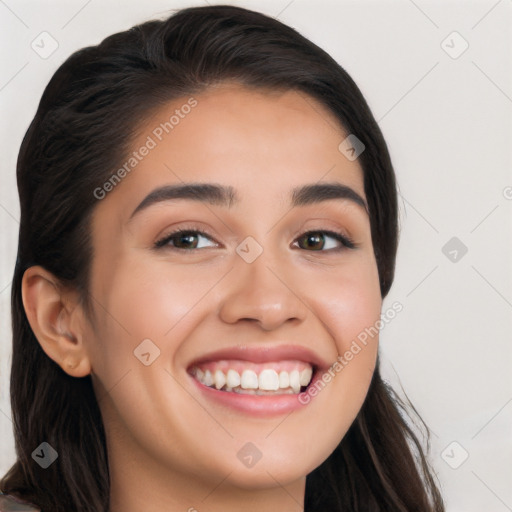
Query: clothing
point(11, 503)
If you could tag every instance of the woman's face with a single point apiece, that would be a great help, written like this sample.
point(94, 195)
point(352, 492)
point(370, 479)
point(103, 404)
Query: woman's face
point(245, 298)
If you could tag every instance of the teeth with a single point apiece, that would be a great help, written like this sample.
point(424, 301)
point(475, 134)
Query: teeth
point(208, 379)
point(305, 376)
point(295, 381)
point(233, 379)
point(284, 380)
point(268, 380)
point(219, 379)
point(249, 382)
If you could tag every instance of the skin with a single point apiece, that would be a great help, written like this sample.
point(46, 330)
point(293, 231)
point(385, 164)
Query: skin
point(169, 447)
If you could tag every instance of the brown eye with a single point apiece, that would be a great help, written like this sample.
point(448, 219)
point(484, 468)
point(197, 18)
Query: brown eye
point(183, 240)
point(313, 241)
point(319, 241)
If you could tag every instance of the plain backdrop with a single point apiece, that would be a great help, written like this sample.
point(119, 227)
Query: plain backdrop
point(438, 78)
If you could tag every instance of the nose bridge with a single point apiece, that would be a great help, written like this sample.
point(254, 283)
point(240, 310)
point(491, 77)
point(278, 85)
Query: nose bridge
point(261, 289)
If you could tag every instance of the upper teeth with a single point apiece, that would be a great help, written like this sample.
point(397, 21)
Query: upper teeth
point(267, 380)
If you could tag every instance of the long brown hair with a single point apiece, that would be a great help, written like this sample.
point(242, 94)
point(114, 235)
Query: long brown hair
point(82, 130)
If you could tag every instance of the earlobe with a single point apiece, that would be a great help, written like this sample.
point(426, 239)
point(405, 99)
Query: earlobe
point(52, 313)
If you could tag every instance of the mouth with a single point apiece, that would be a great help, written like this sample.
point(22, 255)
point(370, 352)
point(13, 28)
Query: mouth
point(244, 377)
point(257, 380)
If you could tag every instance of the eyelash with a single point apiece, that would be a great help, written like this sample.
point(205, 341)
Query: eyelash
point(346, 242)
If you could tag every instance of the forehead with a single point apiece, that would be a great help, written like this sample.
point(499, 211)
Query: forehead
point(263, 143)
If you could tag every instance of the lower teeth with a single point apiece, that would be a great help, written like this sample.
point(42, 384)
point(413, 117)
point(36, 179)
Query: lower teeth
point(261, 392)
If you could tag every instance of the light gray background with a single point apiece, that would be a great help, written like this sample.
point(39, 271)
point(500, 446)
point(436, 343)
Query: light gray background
point(448, 124)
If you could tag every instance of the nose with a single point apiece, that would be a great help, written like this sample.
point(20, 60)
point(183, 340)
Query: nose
point(263, 292)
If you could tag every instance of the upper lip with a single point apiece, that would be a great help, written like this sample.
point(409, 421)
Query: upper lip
point(264, 354)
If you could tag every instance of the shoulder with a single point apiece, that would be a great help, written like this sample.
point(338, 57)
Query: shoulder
point(11, 503)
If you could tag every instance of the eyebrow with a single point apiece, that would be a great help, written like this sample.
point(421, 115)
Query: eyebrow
point(226, 196)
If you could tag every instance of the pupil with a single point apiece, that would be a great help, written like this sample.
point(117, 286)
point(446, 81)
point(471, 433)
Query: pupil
point(187, 238)
point(314, 238)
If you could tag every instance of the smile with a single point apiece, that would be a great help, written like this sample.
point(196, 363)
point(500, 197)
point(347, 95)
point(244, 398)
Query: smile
point(257, 380)
point(272, 378)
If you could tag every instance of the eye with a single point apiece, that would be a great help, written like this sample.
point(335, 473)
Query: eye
point(184, 240)
point(316, 241)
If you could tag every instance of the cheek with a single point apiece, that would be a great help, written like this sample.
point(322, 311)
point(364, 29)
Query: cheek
point(141, 300)
point(349, 307)
point(349, 302)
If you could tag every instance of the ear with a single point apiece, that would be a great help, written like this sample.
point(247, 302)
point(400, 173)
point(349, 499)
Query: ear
point(56, 318)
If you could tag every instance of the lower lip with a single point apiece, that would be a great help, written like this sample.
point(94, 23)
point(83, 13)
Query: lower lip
point(257, 405)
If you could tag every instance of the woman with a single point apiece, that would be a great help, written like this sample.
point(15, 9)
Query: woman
point(208, 229)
